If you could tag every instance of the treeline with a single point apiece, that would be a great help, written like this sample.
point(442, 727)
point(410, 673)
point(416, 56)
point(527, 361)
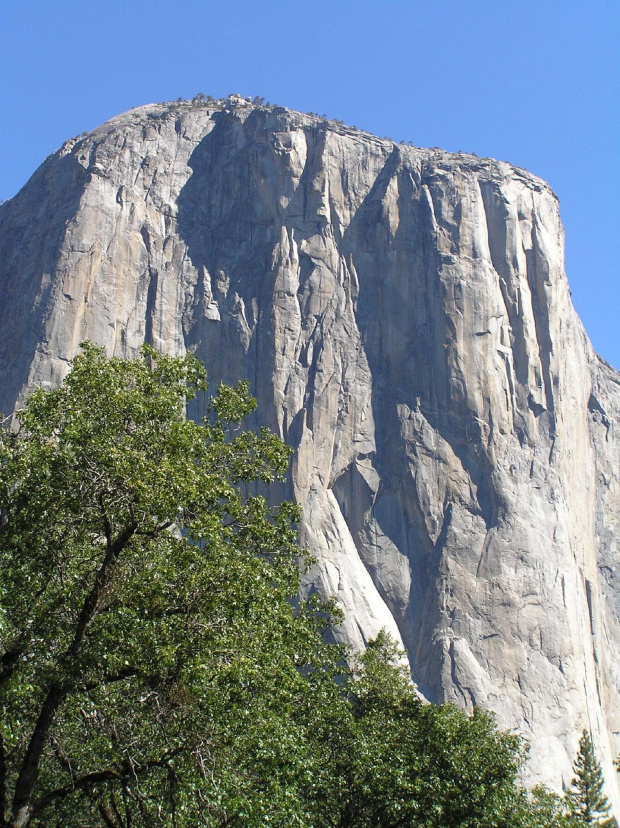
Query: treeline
point(156, 667)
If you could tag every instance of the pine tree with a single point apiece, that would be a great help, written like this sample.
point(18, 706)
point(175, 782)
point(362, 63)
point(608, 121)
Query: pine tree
point(587, 803)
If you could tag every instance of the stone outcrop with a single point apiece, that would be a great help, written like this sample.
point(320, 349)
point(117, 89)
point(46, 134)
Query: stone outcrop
point(404, 320)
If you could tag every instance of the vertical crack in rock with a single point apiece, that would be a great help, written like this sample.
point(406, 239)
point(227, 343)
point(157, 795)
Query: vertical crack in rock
point(405, 323)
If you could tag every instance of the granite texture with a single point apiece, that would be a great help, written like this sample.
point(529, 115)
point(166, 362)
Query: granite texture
point(405, 322)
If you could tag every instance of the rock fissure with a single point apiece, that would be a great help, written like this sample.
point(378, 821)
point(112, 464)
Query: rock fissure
point(405, 322)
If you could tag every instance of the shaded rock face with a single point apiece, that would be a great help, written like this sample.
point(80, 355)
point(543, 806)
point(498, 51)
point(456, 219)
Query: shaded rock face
point(406, 325)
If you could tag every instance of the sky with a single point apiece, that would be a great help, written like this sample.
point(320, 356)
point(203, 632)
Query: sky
point(532, 82)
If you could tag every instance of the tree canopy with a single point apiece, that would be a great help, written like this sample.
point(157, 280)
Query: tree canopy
point(157, 666)
point(143, 596)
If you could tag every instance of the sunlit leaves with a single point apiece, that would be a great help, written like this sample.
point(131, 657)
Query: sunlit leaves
point(149, 607)
point(146, 592)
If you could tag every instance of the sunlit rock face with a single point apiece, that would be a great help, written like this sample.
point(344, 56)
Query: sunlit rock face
point(406, 325)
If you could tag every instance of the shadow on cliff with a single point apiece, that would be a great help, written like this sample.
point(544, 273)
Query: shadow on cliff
point(228, 243)
point(406, 333)
point(231, 220)
point(32, 230)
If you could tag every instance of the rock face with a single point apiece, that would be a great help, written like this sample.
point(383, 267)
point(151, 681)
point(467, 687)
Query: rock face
point(406, 325)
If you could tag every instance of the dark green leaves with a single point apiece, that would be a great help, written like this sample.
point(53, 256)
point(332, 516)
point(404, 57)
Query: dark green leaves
point(587, 802)
point(157, 667)
point(147, 635)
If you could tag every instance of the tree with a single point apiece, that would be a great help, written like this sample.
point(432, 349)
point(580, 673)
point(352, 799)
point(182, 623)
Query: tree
point(156, 666)
point(399, 762)
point(153, 670)
point(542, 809)
point(586, 801)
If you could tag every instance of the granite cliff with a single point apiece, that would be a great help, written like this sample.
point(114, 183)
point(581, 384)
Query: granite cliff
point(406, 325)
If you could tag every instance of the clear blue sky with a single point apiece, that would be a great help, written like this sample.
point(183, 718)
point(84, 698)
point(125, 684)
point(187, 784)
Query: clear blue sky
point(533, 82)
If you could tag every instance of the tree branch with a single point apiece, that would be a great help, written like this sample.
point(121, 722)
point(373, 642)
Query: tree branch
point(89, 608)
point(8, 662)
point(127, 672)
point(29, 771)
point(157, 531)
point(80, 783)
point(3, 797)
point(107, 815)
point(106, 522)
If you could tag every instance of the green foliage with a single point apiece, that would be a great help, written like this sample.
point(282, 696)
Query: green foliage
point(542, 809)
point(155, 666)
point(402, 762)
point(151, 659)
point(587, 804)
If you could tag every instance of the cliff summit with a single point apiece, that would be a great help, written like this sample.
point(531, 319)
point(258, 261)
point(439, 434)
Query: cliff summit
point(405, 322)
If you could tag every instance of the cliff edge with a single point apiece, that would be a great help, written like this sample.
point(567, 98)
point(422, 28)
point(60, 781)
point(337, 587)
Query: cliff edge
point(405, 322)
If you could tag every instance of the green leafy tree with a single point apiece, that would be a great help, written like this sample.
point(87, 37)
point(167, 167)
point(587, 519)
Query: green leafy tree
point(586, 800)
point(156, 668)
point(542, 809)
point(153, 670)
point(398, 761)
